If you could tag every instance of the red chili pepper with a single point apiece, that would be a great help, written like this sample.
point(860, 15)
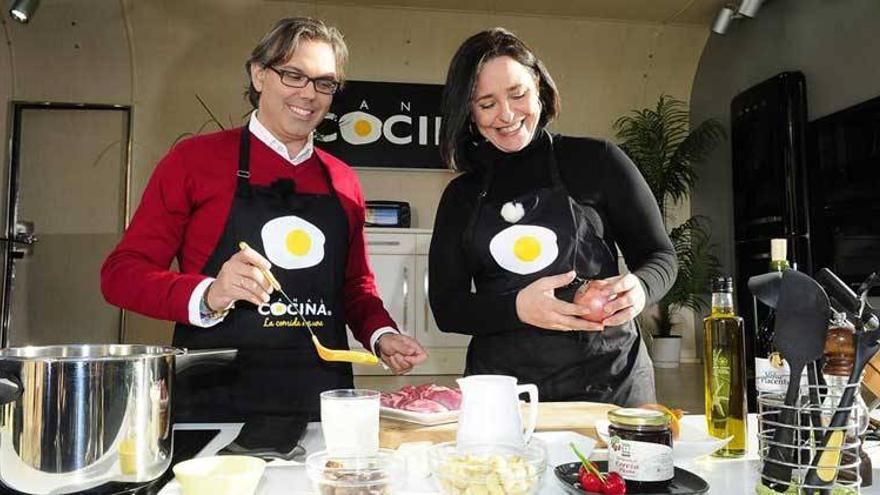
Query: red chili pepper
point(590, 482)
point(614, 484)
point(589, 476)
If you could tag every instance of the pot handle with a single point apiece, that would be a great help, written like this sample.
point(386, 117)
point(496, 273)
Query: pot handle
point(187, 358)
point(10, 386)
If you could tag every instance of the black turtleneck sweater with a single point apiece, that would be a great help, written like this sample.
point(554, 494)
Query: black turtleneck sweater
point(595, 172)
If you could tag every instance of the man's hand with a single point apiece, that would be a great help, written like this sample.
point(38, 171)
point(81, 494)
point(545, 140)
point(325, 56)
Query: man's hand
point(240, 279)
point(400, 352)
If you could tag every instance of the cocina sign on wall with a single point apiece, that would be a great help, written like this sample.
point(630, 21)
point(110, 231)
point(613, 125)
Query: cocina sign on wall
point(383, 124)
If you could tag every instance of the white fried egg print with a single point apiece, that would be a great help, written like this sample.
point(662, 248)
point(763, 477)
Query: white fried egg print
point(360, 128)
point(291, 242)
point(524, 249)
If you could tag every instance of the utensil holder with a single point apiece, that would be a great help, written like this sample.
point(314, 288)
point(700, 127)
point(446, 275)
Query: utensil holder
point(807, 437)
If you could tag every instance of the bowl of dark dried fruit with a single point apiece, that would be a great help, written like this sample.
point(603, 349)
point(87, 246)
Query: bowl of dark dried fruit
point(380, 474)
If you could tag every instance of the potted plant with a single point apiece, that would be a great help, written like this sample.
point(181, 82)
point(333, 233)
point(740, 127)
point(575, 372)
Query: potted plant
point(664, 147)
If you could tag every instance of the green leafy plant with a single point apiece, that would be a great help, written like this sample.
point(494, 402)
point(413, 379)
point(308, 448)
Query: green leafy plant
point(666, 150)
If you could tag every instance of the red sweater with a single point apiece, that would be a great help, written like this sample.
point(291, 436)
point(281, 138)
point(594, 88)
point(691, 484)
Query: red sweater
point(184, 210)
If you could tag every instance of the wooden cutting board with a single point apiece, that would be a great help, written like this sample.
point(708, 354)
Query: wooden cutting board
point(579, 417)
point(871, 378)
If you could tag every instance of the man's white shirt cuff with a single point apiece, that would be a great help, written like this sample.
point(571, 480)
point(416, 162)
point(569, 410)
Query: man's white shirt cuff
point(378, 333)
point(195, 306)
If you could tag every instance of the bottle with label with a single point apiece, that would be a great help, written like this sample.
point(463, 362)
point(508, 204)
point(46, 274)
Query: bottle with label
point(724, 370)
point(771, 370)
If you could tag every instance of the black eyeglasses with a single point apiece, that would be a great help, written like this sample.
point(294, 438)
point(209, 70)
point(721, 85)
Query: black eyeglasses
point(295, 79)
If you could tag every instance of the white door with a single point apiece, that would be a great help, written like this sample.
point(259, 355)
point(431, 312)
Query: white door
point(68, 188)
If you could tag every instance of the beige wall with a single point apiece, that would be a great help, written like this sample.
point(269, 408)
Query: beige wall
point(603, 68)
point(157, 55)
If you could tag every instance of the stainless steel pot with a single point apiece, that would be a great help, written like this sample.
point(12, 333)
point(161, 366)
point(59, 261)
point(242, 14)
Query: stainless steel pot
point(77, 416)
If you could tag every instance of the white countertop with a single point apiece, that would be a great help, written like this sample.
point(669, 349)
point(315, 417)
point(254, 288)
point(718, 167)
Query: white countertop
point(725, 476)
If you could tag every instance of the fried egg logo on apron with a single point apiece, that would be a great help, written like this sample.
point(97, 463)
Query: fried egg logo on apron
point(524, 249)
point(293, 243)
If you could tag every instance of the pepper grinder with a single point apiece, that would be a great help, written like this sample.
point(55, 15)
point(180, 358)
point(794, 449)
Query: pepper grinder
point(839, 357)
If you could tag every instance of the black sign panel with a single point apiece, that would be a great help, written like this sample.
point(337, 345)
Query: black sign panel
point(379, 124)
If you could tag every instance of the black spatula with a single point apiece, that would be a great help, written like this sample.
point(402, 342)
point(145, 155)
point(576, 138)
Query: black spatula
point(802, 313)
point(766, 287)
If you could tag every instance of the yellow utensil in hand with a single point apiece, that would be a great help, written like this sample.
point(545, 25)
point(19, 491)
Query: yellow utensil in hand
point(323, 352)
point(357, 357)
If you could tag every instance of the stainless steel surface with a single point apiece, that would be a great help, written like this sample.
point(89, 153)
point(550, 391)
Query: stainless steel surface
point(24, 239)
point(85, 415)
point(805, 440)
point(80, 352)
point(426, 317)
point(406, 301)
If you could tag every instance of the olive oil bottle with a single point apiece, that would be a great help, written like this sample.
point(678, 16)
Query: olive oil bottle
point(724, 370)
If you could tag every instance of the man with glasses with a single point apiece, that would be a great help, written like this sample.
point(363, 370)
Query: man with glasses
point(299, 209)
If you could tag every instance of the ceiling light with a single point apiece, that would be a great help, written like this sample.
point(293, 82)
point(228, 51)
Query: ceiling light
point(725, 17)
point(749, 8)
point(23, 10)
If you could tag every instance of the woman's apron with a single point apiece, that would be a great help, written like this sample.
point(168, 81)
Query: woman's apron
point(555, 235)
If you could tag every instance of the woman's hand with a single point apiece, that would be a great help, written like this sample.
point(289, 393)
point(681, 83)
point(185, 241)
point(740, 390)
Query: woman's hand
point(537, 305)
point(627, 298)
point(240, 279)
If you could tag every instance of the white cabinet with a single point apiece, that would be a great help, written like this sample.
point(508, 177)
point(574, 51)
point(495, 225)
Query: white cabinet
point(399, 259)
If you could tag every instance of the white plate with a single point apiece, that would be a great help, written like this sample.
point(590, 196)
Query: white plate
point(427, 419)
point(558, 446)
point(693, 439)
point(874, 415)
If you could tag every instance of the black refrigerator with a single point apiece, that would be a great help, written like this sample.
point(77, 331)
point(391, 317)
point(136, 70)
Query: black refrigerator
point(844, 170)
point(768, 128)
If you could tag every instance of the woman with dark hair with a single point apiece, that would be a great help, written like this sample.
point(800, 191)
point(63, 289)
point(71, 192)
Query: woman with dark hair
point(534, 218)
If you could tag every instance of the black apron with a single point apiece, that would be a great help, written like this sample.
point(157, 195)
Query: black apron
point(277, 370)
point(609, 366)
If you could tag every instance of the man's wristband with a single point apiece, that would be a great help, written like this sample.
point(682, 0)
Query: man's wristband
point(206, 310)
